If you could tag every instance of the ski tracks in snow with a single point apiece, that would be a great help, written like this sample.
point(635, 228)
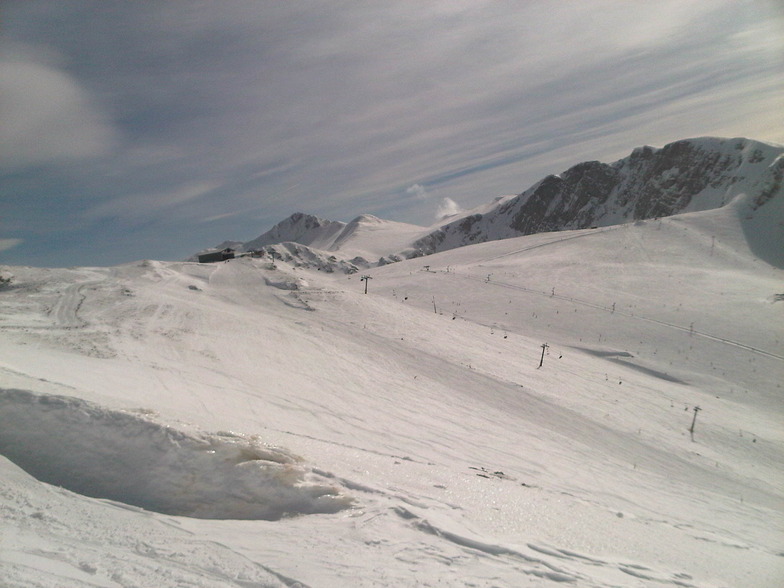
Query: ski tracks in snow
point(64, 313)
point(66, 309)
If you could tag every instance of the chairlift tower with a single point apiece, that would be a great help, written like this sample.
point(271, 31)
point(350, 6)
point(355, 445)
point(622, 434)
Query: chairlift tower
point(545, 346)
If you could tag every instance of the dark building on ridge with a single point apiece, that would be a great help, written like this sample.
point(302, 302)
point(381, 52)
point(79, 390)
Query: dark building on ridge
point(214, 256)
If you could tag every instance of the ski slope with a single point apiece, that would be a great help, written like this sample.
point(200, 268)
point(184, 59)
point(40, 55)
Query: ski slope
point(257, 424)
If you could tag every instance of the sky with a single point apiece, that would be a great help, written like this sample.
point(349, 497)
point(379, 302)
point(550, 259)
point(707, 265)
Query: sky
point(152, 130)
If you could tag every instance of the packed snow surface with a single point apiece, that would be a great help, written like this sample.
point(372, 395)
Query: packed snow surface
point(254, 424)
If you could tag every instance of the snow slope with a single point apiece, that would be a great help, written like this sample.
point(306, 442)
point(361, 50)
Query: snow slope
point(371, 238)
point(279, 427)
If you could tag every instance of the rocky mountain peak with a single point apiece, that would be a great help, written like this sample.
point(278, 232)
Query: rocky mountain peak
point(683, 176)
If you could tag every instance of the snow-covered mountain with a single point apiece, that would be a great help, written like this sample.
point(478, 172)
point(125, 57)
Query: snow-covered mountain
point(327, 245)
point(684, 176)
point(301, 228)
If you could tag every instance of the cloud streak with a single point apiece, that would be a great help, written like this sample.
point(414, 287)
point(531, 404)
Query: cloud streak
point(140, 206)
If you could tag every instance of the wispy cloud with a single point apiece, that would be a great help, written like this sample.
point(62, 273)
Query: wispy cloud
point(417, 191)
point(9, 243)
point(48, 116)
point(136, 206)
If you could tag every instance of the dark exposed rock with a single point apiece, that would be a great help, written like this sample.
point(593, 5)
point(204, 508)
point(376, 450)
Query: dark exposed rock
point(687, 175)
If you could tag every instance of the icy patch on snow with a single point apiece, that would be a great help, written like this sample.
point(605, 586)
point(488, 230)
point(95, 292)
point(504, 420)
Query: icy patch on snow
point(124, 457)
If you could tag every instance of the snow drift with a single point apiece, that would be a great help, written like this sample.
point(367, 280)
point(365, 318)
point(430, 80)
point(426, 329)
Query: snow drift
point(128, 458)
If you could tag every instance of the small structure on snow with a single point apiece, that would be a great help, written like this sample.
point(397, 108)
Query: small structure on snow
point(214, 256)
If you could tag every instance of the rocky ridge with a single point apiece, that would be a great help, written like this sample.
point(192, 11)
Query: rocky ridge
point(684, 176)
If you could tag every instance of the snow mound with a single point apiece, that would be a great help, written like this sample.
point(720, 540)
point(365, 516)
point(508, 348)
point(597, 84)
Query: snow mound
point(127, 458)
point(301, 228)
point(370, 237)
